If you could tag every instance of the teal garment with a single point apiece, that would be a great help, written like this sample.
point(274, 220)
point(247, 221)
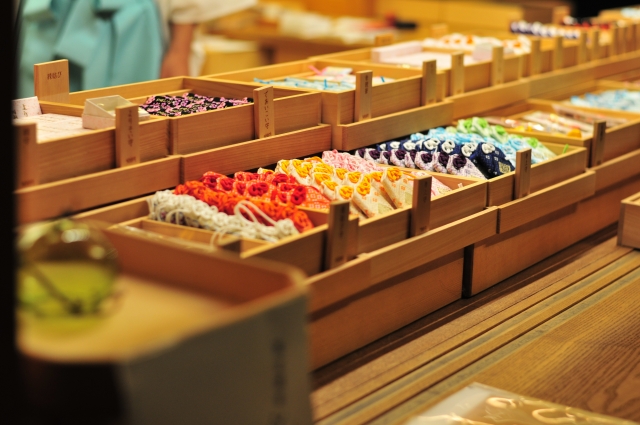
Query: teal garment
point(107, 42)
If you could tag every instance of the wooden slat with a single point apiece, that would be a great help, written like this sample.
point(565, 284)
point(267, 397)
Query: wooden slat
point(363, 96)
point(336, 246)
point(198, 132)
point(263, 112)
point(456, 75)
point(377, 130)
point(522, 183)
point(617, 170)
point(595, 44)
point(497, 65)
point(582, 48)
point(27, 154)
point(543, 202)
point(535, 61)
point(127, 136)
point(482, 100)
point(117, 213)
point(419, 250)
point(51, 81)
point(428, 86)
point(256, 153)
point(598, 143)
point(298, 112)
point(339, 329)
point(94, 190)
point(421, 206)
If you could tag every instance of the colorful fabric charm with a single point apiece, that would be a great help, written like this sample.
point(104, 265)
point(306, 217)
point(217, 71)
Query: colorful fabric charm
point(188, 103)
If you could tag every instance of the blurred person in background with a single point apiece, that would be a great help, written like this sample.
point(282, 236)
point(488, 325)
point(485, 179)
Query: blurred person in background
point(112, 42)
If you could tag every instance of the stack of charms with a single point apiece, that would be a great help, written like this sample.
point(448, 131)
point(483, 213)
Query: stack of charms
point(269, 204)
point(507, 142)
point(259, 206)
point(189, 103)
point(472, 149)
point(373, 190)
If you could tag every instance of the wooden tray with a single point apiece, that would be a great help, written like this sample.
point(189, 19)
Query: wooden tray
point(373, 113)
point(472, 88)
point(177, 326)
point(476, 75)
point(388, 271)
point(69, 175)
point(288, 110)
point(95, 151)
point(604, 147)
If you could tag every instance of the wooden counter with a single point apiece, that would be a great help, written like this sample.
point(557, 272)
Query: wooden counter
point(564, 330)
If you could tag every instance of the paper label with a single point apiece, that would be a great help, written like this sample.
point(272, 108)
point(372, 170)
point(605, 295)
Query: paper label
point(24, 108)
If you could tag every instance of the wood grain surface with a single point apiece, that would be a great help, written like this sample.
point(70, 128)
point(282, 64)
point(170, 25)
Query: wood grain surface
point(364, 385)
point(586, 357)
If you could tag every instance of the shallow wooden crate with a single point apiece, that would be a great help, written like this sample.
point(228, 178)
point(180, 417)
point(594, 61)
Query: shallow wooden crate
point(62, 197)
point(497, 258)
point(396, 108)
point(571, 75)
point(292, 110)
point(591, 85)
point(175, 325)
point(476, 75)
point(629, 223)
point(256, 153)
point(401, 277)
point(617, 141)
point(93, 152)
point(479, 86)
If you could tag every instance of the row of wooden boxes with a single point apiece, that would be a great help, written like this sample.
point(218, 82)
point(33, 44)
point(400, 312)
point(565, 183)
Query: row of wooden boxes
point(370, 277)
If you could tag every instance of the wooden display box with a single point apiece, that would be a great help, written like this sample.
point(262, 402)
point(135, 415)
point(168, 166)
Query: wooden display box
point(67, 175)
point(370, 114)
point(629, 224)
point(554, 85)
point(605, 146)
point(275, 111)
point(213, 343)
point(472, 88)
point(575, 62)
point(293, 110)
point(400, 277)
point(95, 151)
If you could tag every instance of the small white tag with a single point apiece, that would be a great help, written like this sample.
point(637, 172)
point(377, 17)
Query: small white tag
point(24, 108)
